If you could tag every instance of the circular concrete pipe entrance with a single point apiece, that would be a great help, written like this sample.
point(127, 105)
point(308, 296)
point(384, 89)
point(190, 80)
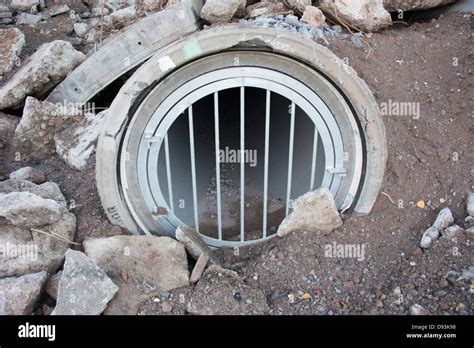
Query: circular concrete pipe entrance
point(221, 130)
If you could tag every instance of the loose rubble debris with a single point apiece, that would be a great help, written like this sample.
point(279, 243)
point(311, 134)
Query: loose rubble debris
point(37, 230)
point(364, 15)
point(84, 289)
point(42, 71)
point(141, 266)
point(314, 211)
point(75, 141)
point(31, 174)
point(18, 296)
point(234, 296)
point(12, 41)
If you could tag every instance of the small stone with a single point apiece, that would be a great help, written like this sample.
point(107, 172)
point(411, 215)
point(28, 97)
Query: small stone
point(444, 219)
point(29, 174)
point(81, 29)
point(429, 236)
point(470, 204)
point(443, 306)
point(349, 284)
point(454, 231)
point(57, 10)
point(199, 268)
point(12, 41)
point(417, 309)
point(280, 256)
point(313, 16)
point(23, 5)
point(220, 11)
point(378, 303)
point(27, 18)
point(166, 307)
point(299, 6)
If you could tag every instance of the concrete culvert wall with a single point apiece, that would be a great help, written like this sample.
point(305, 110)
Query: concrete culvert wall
point(299, 115)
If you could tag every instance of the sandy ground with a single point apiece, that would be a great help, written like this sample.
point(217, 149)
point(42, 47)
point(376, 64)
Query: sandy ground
point(429, 158)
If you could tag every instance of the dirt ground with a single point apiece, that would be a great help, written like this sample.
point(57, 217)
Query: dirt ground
point(429, 158)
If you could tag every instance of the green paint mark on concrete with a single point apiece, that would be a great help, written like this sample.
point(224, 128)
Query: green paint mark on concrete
point(192, 50)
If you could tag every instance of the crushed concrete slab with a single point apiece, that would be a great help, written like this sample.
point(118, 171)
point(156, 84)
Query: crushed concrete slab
point(142, 267)
point(75, 141)
point(365, 15)
point(48, 66)
point(84, 289)
point(223, 292)
point(31, 174)
point(314, 211)
point(18, 296)
point(12, 41)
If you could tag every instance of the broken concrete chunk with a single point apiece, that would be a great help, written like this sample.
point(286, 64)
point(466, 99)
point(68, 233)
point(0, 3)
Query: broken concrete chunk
point(314, 211)
point(84, 289)
point(28, 210)
point(230, 295)
point(266, 9)
point(123, 17)
point(57, 10)
point(81, 29)
point(18, 296)
point(29, 174)
point(314, 16)
point(37, 127)
point(12, 41)
point(199, 268)
point(194, 244)
point(48, 66)
point(75, 141)
point(220, 11)
point(142, 267)
point(444, 219)
point(364, 15)
point(27, 18)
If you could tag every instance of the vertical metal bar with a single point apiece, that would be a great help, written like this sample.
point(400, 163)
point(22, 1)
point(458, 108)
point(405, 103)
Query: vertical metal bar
point(315, 155)
point(265, 175)
point(193, 166)
point(168, 173)
point(290, 157)
point(242, 164)
point(218, 169)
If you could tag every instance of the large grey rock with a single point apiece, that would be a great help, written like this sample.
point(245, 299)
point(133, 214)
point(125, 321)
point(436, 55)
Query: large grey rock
point(23, 5)
point(298, 6)
point(314, 211)
point(48, 66)
point(223, 292)
point(35, 132)
point(365, 15)
point(470, 204)
point(31, 174)
point(411, 5)
point(28, 251)
point(25, 209)
point(84, 289)
point(220, 11)
point(12, 41)
point(142, 267)
point(75, 141)
point(19, 295)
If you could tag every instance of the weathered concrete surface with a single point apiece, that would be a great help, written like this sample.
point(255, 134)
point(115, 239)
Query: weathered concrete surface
point(48, 66)
point(365, 15)
point(314, 211)
point(12, 41)
point(84, 289)
point(223, 292)
point(141, 266)
point(19, 295)
point(128, 49)
point(75, 141)
point(31, 174)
